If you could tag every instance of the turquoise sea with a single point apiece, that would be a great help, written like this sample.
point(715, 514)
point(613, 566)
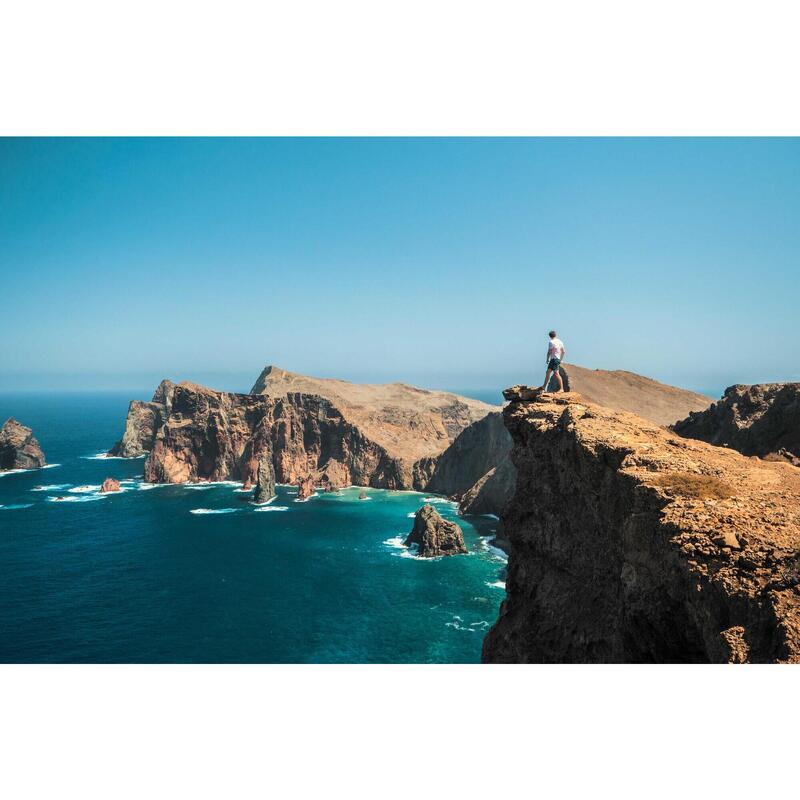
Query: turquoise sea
point(197, 574)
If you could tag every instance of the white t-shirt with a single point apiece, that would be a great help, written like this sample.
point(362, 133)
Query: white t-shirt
point(555, 349)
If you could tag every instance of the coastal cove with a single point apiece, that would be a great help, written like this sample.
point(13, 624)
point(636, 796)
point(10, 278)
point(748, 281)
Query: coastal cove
point(194, 573)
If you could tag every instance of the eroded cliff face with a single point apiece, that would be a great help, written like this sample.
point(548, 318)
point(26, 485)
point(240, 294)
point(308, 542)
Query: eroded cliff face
point(630, 544)
point(142, 423)
point(19, 448)
point(760, 420)
point(194, 433)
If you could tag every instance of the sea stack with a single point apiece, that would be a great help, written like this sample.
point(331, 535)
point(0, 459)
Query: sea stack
point(435, 536)
point(110, 485)
point(265, 483)
point(305, 488)
point(19, 448)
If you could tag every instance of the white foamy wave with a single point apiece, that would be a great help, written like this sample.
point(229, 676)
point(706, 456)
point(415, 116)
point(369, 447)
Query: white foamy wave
point(104, 456)
point(272, 508)
point(50, 466)
point(85, 498)
point(247, 491)
point(85, 489)
point(396, 541)
point(53, 487)
point(306, 499)
point(15, 506)
point(494, 551)
point(214, 510)
point(497, 584)
point(442, 500)
point(412, 515)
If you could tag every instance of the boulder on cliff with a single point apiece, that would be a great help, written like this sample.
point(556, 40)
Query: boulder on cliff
point(631, 544)
point(18, 447)
point(759, 420)
point(434, 536)
point(110, 485)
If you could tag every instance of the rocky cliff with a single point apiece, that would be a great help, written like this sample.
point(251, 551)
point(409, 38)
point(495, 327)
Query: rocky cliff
point(760, 420)
point(434, 536)
point(195, 433)
point(18, 447)
point(476, 468)
point(142, 423)
point(411, 426)
point(630, 544)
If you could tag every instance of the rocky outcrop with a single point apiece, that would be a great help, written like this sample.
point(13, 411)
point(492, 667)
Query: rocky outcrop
point(305, 488)
point(142, 423)
point(110, 485)
point(433, 536)
point(476, 469)
point(760, 420)
point(630, 544)
point(265, 479)
point(195, 433)
point(18, 447)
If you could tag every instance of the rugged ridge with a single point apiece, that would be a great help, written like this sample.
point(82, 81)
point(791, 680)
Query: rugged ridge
point(759, 420)
point(630, 544)
point(434, 536)
point(18, 447)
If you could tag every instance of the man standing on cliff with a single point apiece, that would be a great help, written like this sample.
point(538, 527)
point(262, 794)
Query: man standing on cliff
point(555, 355)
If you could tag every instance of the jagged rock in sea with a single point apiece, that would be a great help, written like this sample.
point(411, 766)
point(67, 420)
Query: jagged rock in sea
point(476, 469)
point(305, 488)
point(391, 441)
point(143, 421)
point(631, 544)
point(362, 495)
point(434, 536)
point(265, 479)
point(110, 485)
point(18, 447)
point(759, 420)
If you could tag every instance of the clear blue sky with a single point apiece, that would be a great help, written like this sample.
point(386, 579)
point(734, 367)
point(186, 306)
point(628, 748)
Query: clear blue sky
point(441, 262)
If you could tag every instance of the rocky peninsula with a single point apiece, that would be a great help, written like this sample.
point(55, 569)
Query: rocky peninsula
point(632, 544)
point(19, 448)
point(332, 433)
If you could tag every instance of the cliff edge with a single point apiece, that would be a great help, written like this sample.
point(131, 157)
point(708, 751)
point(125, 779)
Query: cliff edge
point(630, 544)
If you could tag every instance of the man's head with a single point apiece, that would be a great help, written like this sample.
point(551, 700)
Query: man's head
point(552, 334)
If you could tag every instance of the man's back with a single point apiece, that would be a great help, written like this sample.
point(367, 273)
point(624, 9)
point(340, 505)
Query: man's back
point(555, 349)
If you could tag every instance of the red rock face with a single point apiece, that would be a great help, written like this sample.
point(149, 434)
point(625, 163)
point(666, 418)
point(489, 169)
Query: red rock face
point(110, 485)
point(207, 435)
point(305, 488)
point(18, 447)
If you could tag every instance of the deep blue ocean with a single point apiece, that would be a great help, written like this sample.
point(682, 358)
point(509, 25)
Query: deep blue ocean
point(196, 574)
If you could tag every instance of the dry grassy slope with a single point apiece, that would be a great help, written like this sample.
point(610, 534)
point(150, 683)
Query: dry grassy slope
point(627, 391)
point(408, 422)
